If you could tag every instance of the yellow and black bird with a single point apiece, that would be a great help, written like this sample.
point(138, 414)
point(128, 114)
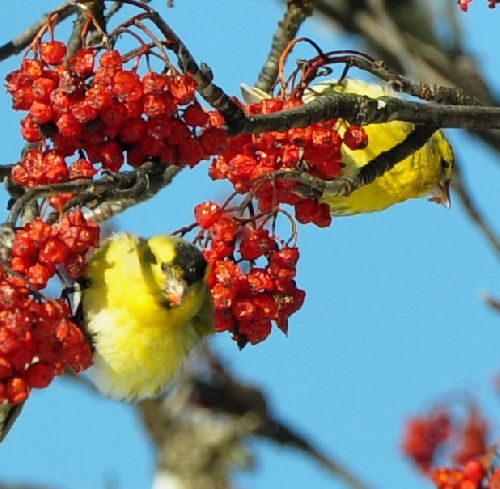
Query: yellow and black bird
point(145, 305)
point(426, 171)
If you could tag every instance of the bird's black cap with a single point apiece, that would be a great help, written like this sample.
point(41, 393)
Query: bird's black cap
point(190, 260)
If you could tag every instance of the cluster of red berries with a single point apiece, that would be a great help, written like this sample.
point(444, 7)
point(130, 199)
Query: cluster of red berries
point(38, 338)
point(473, 437)
point(427, 436)
point(247, 297)
point(464, 4)
point(107, 113)
point(424, 435)
point(473, 475)
point(315, 149)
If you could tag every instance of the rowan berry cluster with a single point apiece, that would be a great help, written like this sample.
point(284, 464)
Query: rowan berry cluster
point(38, 338)
point(315, 149)
point(464, 440)
point(424, 435)
point(473, 475)
point(248, 298)
point(464, 4)
point(106, 113)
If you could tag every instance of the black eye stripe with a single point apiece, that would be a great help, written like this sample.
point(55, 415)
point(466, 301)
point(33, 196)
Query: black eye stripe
point(190, 261)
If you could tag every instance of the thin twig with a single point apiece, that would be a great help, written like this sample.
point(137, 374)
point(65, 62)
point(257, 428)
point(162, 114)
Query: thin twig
point(435, 62)
point(472, 210)
point(296, 13)
point(24, 40)
point(492, 301)
point(212, 93)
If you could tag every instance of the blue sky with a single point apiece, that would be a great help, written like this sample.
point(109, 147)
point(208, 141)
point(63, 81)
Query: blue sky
point(393, 318)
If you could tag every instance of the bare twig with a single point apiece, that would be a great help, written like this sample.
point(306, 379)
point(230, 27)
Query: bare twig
point(5, 171)
point(472, 210)
point(297, 11)
point(361, 110)
point(444, 64)
point(212, 93)
point(127, 188)
point(492, 301)
point(23, 40)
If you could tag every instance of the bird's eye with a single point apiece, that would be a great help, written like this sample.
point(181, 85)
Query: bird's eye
point(445, 164)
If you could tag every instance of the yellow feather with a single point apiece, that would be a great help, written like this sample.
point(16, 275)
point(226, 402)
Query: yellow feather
point(410, 178)
point(140, 343)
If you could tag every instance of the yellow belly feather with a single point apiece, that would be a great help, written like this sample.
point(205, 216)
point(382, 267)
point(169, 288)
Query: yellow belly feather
point(140, 345)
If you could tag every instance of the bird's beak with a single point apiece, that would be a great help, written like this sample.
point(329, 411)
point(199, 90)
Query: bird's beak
point(175, 291)
point(441, 194)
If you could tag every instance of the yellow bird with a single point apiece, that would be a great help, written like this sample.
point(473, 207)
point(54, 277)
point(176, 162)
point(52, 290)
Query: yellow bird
point(426, 171)
point(145, 304)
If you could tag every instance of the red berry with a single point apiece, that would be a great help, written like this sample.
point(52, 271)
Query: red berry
point(113, 116)
point(32, 67)
point(256, 243)
point(42, 88)
point(53, 252)
point(99, 97)
point(475, 470)
point(81, 168)
point(195, 115)
point(39, 375)
point(5, 368)
point(82, 63)
point(53, 52)
point(224, 229)
point(69, 126)
point(75, 265)
point(182, 87)
point(213, 140)
point(132, 131)
point(154, 83)
point(207, 213)
point(39, 275)
point(112, 156)
point(23, 246)
point(55, 167)
point(30, 130)
point(23, 98)
point(255, 331)
point(177, 132)
point(83, 112)
point(16, 390)
point(189, 152)
point(355, 138)
point(112, 60)
point(38, 230)
point(127, 86)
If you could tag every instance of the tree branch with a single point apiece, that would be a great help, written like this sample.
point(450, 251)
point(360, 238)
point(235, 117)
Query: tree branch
point(472, 210)
point(118, 190)
point(26, 38)
point(297, 11)
point(361, 110)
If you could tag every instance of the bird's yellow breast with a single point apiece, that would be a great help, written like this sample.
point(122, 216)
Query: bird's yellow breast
point(410, 178)
point(140, 343)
